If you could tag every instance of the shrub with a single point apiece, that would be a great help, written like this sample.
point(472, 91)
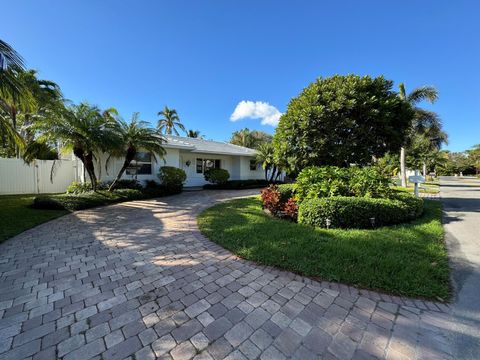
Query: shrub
point(314, 182)
point(369, 182)
point(359, 212)
point(286, 191)
point(271, 200)
point(238, 184)
point(326, 181)
point(172, 177)
point(79, 187)
point(217, 176)
point(290, 209)
point(86, 200)
point(280, 202)
point(126, 184)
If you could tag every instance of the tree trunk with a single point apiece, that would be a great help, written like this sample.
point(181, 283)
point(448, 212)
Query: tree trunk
point(424, 169)
point(131, 152)
point(272, 175)
point(13, 114)
point(403, 173)
point(91, 169)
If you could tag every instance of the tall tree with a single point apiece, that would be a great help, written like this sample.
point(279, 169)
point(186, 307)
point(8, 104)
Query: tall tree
point(11, 62)
point(424, 121)
point(342, 120)
point(11, 89)
point(135, 136)
point(169, 122)
point(85, 130)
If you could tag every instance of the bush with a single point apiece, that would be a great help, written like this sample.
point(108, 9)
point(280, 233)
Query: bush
point(172, 177)
point(326, 181)
point(271, 200)
point(126, 184)
point(286, 191)
point(85, 200)
point(359, 212)
point(279, 202)
point(369, 182)
point(238, 184)
point(79, 187)
point(217, 176)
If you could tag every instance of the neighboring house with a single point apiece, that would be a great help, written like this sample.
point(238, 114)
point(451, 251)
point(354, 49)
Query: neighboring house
point(193, 155)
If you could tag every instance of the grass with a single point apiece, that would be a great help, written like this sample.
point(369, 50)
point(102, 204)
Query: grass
point(17, 215)
point(408, 259)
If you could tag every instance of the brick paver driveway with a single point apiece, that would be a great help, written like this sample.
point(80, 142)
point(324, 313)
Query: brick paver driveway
point(137, 280)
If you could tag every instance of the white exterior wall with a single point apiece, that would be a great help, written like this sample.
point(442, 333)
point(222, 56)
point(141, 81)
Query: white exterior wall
point(17, 177)
point(237, 166)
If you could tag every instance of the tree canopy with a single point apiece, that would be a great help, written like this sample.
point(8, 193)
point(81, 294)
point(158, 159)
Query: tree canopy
point(342, 120)
point(250, 138)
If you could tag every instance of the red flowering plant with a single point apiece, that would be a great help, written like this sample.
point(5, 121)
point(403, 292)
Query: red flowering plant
point(271, 200)
point(290, 209)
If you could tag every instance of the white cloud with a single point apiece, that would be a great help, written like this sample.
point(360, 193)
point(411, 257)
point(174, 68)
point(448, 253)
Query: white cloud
point(269, 114)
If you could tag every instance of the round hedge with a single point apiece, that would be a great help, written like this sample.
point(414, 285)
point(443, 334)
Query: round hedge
point(217, 176)
point(357, 212)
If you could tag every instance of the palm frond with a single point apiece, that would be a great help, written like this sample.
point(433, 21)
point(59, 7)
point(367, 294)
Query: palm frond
point(428, 93)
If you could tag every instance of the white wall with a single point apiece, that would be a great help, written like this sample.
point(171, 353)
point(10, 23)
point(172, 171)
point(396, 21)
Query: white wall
point(237, 166)
point(17, 177)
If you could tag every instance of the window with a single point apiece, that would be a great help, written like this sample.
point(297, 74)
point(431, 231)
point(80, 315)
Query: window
point(205, 164)
point(253, 165)
point(142, 164)
point(199, 166)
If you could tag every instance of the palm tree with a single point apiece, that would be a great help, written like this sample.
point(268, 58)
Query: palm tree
point(266, 157)
point(10, 63)
point(134, 136)
point(169, 122)
point(84, 129)
point(250, 139)
point(193, 134)
point(424, 122)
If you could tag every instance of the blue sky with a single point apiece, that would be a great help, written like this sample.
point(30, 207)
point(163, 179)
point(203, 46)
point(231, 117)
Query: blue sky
point(204, 57)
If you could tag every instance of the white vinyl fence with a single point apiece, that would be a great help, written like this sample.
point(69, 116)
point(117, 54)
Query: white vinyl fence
point(17, 177)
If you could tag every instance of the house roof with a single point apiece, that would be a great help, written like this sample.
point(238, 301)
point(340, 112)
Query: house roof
point(198, 145)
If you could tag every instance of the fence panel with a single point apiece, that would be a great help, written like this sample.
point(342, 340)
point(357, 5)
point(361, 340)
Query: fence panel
point(16, 177)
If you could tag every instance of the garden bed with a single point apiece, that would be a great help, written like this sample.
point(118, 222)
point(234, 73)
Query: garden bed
point(408, 259)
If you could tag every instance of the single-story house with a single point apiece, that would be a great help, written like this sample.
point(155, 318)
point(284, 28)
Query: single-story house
point(193, 155)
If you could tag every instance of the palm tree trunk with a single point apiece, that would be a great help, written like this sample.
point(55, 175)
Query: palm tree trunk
point(403, 173)
point(128, 159)
point(272, 175)
point(13, 114)
point(91, 170)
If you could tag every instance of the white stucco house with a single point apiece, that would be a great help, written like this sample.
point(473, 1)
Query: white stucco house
point(193, 155)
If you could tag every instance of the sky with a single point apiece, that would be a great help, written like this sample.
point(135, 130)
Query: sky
point(229, 64)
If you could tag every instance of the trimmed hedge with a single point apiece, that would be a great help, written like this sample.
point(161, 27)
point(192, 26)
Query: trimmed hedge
point(217, 176)
point(357, 212)
point(172, 178)
point(73, 202)
point(237, 185)
point(326, 181)
point(85, 200)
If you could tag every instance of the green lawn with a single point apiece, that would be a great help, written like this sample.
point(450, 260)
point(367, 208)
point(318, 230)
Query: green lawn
point(16, 215)
point(408, 259)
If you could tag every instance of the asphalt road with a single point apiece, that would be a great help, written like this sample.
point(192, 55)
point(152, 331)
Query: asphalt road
point(461, 200)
